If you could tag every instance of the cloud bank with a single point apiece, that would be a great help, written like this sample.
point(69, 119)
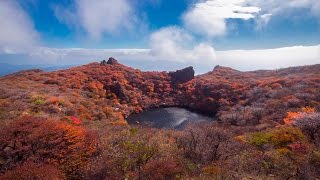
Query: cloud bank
point(148, 60)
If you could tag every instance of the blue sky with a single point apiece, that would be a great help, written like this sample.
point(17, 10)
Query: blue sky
point(243, 34)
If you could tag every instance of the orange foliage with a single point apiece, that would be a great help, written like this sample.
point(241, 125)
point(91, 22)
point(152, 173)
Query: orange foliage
point(291, 116)
point(54, 100)
point(46, 141)
point(308, 109)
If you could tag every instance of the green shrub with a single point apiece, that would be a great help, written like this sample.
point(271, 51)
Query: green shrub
point(260, 138)
point(38, 101)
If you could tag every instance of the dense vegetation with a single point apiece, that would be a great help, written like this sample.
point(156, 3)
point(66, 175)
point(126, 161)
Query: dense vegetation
point(70, 124)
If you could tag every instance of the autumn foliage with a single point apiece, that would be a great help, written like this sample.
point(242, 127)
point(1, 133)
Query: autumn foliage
point(71, 124)
point(46, 141)
point(31, 170)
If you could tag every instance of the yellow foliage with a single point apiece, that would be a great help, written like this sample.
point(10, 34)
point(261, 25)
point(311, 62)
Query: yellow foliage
point(285, 135)
point(284, 151)
point(212, 169)
point(241, 138)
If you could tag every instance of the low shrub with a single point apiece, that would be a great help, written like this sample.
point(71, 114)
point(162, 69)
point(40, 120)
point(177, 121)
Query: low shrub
point(284, 135)
point(315, 158)
point(161, 169)
point(203, 144)
point(46, 141)
point(260, 138)
point(33, 171)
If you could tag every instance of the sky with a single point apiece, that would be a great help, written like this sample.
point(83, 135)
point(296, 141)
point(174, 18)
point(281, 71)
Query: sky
point(162, 34)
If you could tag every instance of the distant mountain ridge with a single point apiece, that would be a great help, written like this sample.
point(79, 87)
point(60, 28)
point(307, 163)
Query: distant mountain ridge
point(6, 69)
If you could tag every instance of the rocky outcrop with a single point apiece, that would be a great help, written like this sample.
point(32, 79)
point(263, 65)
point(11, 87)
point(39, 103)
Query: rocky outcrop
point(223, 69)
point(183, 75)
point(103, 63)
point(112, 61)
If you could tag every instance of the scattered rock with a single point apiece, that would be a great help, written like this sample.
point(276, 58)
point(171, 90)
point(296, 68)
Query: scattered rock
point(183, 75)
point(103, 63)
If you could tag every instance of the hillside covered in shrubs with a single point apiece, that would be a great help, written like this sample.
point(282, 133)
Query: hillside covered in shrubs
point(71, 124)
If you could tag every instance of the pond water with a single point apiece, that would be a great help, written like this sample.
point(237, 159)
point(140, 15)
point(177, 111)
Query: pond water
point(172, 117)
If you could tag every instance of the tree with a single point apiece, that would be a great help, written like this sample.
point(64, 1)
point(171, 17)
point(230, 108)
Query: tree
point(203, 144)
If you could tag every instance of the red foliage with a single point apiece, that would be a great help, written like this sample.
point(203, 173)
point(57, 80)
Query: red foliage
point(161, 169)
point(46, 141)
point(75, 120)
point(31, 170)
point(299, 147)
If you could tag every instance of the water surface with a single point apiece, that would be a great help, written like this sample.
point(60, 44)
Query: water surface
point(172, 117)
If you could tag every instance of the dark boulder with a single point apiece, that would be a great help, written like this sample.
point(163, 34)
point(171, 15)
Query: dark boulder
point(183, 75)
point(112, 61)
point(103, 63)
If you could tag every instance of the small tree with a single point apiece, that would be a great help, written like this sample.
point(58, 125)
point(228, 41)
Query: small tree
point(203, 144)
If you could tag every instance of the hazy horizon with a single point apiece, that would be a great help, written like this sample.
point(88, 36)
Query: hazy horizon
point(161, 34)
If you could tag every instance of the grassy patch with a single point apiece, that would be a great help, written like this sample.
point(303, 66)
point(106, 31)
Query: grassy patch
point(38, 100)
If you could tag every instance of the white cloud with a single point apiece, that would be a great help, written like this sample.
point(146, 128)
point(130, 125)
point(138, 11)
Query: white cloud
point(172, 43)
point(97, 17)
point(269, 58)
point(285, 8)
point(281, 7)
point(16, 28)
point(263, 20)
point(208, 17)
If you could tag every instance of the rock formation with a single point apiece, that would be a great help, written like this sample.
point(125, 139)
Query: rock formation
point(112, 61)
point(183, 75)
point(103, 63)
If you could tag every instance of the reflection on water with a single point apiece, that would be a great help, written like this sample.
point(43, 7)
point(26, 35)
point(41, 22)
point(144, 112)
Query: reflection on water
point(173, 117)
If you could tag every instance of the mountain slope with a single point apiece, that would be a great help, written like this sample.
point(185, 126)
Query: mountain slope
point(70, 124)
point(130, 90)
